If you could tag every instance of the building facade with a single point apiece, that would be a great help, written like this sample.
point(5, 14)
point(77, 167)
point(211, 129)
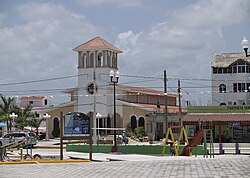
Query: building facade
point(95, 92)
point(230, 79)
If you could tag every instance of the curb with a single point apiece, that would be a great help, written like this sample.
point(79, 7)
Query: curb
point(49, 147)
point(45, 162)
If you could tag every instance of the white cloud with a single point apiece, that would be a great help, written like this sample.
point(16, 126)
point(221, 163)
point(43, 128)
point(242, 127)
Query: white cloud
point(41, 47)
point(208, 13)
point(123, 3)
point(185, 42)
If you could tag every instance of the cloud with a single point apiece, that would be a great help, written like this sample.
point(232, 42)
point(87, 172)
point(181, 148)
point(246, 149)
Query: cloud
point(123, 3)
point(185, 42)
point(41, 47)
point(209, 13)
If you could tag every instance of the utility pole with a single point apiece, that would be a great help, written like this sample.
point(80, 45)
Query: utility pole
point(166, 99)
point(94, 89)
point(179, 94)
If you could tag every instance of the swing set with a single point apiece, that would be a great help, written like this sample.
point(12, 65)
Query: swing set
point(172, 142)
point(203, 134)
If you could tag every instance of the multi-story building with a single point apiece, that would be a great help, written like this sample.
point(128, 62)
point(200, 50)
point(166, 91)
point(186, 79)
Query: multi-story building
point(230, 79)
point(95, 92)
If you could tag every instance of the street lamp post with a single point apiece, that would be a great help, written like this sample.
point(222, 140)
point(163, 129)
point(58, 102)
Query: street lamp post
point(114, 77)
point(244, 44)
point(98, 116)
point(12, 116)
point(47, 116)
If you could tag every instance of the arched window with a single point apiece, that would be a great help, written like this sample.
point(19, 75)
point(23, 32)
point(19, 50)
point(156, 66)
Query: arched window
point(45, 102)
point(222, 88)
point(90, 62)
point(133, 122)
point(99, 60)
point(141, 122)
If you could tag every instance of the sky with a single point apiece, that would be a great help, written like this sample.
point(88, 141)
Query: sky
point(37, 38)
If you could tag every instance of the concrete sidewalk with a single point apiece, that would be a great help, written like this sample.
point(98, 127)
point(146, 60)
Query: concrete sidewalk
point(138, 166)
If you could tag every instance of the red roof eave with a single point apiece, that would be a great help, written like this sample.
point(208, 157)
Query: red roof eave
point(217, 117)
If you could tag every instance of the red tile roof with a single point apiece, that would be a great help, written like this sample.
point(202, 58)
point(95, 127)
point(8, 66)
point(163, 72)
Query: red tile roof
point(237, 117)
point(171, 109)
point(144, 90)
point(97, 43)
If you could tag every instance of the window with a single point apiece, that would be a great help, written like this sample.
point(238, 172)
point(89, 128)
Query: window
point(219, 70)
point(248, 87)
point(30, 102)
point(224, 70)
point(235, 69)
point(215, 70)
point(239, 87)
point(222, 88)
point(235, 87)
point(229, 70)
point(45, 102)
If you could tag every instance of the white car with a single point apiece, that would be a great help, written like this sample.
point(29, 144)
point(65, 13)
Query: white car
point(26, 137)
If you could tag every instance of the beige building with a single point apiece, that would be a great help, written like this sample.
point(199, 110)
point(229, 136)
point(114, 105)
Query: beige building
point(94, 93)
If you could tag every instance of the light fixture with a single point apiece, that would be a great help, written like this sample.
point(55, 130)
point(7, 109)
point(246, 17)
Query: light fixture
point(13, 116)
point(244, 44)
point(114, 77)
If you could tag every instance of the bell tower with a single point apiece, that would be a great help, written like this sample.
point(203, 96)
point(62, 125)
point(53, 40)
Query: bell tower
point(96, 58)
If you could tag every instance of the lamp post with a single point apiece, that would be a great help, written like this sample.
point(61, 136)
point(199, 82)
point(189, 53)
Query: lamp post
point(98, 116)
point(114, 77)
point(244, 44)
point(47, 116)
point(12, 116)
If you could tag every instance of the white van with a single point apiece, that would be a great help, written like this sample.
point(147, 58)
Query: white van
point(24, 137)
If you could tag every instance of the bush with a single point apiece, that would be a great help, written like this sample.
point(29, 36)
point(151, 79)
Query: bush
point(140, 132)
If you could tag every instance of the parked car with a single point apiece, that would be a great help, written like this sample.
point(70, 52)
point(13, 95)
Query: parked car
point(28, 138)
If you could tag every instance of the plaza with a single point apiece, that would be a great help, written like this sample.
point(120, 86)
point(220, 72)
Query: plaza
point(137, 166)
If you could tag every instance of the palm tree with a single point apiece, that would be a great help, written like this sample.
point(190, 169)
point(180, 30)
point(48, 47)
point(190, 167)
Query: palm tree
point(23, 115)
point(36, 122)
point(7, 106)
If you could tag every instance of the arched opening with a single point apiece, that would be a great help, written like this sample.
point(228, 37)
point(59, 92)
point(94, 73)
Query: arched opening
point(99, 60)
point(133, 122)
point(90, 61)
point(141, 122)
point(222, 88)
point(56, 129)
point(45, 102)
point(223, 104)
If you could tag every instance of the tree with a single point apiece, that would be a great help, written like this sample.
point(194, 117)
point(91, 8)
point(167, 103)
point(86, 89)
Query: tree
point(36, 122)
point(23, 115)
point(7, 106)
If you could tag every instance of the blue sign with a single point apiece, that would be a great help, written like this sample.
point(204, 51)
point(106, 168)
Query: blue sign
point(76, 124)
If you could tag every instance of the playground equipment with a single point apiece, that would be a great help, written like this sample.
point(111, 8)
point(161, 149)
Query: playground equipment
point(204, 133)
point(173, 143)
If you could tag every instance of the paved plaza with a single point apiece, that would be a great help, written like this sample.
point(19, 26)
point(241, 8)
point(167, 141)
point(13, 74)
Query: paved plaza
point(220, 166)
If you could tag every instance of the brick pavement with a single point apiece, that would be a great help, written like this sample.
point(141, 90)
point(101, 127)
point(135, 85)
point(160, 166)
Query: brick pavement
point(220, 166)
